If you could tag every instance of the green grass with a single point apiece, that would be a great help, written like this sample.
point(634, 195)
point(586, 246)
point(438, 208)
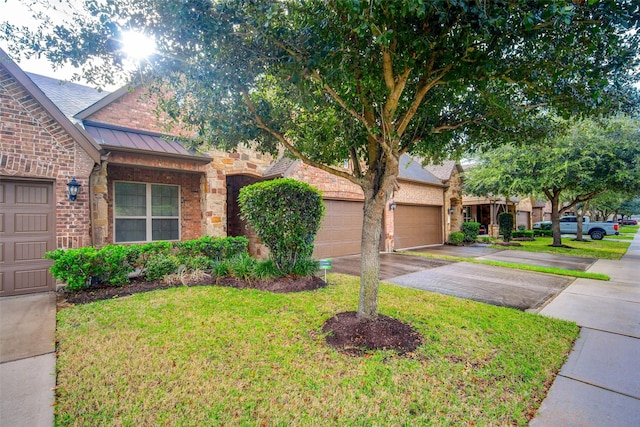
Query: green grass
point(602, 249)
point(514, 265)
point(221, 356)
point(629, 228)
point(623, 236)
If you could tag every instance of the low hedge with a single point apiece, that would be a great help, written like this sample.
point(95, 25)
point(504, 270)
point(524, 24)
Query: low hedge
point(522, 233)
point(543, 233)
point(114, 263)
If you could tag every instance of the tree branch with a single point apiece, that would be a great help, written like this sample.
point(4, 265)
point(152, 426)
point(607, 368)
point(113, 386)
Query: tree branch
point(284, 141)
point(426, 86)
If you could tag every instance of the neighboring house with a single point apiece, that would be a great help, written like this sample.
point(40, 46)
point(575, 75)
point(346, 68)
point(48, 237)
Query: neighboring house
point(541, 211)
point(486, 210)
point(450, 173)
point(413, 217)
point(140, 184)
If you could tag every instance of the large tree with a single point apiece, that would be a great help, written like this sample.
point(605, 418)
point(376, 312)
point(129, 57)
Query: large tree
point(361, 80)
point(570, 168)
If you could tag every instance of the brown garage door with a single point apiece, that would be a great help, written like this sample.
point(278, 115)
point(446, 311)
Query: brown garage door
point(341, 229)
point(417, 226)
point(27, 231)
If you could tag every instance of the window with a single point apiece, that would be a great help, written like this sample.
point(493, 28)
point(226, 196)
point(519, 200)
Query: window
point(146, 212)
point(466, 211)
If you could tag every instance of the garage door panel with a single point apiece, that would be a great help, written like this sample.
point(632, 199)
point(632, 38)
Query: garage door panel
point(32, 194)
point(27, 232)
point(341, 229)
point(29, 251)
point(31, 223)
point(416, 225)
point(31, 280)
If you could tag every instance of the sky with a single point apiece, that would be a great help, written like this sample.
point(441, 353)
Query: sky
point(16, 13)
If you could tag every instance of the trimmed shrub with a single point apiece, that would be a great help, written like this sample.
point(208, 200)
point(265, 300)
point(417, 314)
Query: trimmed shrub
point(286, 215)
point(160, 265)
point(544, 233)
point(522, 233)
point(213, 248)
point(74, 266)
point(116, 262)
point(456, 238)
point(470, 231)
point(505, 222)
point(112, 264)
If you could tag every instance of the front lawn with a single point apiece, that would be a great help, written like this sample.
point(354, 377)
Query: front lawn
point(603, 249)
point(211, 356)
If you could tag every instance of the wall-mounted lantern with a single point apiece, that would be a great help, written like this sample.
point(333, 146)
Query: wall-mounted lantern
point(73, 186)
point(451, 210)
point(392, 206)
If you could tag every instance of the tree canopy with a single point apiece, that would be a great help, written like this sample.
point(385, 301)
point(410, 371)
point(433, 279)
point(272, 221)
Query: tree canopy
point(592, 157)
point(367, 81)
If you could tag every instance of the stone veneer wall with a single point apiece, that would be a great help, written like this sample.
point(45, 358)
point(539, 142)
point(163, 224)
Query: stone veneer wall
point(34, 145)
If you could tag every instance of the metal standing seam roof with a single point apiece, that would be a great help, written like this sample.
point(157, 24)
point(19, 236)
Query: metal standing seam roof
point(137, 140)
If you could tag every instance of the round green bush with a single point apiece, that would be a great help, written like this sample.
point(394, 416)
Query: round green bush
point(456, 238)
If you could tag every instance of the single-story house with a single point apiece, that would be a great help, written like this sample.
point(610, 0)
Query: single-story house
point(138, 183)
point(486, 210)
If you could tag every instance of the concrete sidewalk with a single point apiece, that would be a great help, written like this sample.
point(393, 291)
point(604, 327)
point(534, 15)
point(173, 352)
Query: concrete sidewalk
point(600, 383)
point(27, 360)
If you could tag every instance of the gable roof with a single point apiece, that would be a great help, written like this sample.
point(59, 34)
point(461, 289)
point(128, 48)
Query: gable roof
point(280, 168)
point(78, 134)
point(444, 170)
point(70, 98)
point(411, 169)
point(103, 102)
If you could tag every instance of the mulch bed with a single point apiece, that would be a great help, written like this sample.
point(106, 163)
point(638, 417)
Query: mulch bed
point(102, 291)
point(355, 336)
point(345, 331)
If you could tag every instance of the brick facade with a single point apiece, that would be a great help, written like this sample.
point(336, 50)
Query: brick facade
point(135, 110)
point(34, 145)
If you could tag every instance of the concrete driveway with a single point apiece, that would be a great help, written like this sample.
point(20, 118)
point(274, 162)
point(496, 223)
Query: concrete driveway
point(519, 289)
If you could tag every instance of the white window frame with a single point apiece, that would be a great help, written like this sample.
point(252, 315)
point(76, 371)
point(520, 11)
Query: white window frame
point(148, 217)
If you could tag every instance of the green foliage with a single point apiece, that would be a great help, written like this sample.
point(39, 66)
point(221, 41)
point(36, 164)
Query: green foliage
point(116, 263)
point(588, 158)
point(543, 232)
point(505, 223)
point(161, 265)
point(242, 267)
point(305, 267)
point(522, 233)
point(213, 248)
point(74, 266)
point(456, 237)
point(470, 231)
point(113, 264)
point(286, 215)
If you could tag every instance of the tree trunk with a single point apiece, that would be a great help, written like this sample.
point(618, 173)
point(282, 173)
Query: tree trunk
point(555, 219)
point(579, 214)
point(376, 194)
point(370, 257)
